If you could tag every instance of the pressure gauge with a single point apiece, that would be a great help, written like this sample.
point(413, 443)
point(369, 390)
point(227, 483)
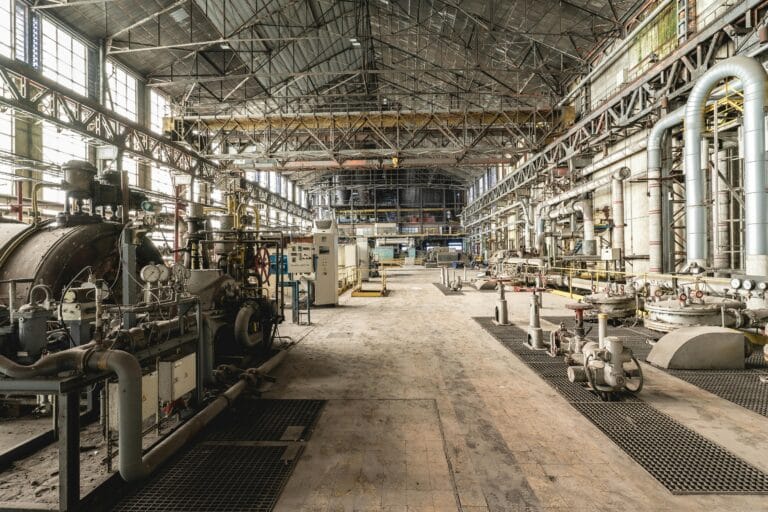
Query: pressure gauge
point(735, 283)
point(165, 273)
point(748, 284)
point(762, 286)
point(150, 274)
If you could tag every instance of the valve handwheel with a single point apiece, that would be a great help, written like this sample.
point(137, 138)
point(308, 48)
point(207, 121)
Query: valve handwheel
point(261, 264)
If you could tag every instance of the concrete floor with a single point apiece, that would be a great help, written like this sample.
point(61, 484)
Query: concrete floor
point(427, 412)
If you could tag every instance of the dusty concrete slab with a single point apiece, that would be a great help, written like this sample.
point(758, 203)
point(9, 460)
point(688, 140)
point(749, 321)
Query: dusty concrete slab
point(416, 367)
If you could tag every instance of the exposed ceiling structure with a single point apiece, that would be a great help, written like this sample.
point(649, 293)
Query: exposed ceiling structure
point(290, 85)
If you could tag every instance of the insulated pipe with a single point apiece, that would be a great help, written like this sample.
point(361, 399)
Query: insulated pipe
point(589, 244)
point(721, 258)
point(753, 78)
point(617, 206)
point(654, 185)
point(128, 370)
point(576, 191)
point(66, 360)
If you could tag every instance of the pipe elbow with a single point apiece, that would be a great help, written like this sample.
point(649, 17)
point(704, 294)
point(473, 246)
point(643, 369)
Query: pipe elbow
point(134, 472)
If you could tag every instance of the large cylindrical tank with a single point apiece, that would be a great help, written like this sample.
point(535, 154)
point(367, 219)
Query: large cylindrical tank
point(53, 255)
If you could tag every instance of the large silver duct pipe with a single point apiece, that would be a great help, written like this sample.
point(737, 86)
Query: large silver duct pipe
point(589, 244)
point(576, 191)
point(753, 78)
point(654, 186)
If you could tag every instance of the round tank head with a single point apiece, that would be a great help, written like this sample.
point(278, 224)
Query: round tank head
point(150, 274)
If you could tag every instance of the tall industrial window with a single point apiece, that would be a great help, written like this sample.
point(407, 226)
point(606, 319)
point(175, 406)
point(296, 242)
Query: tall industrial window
point(64, 58)
point(6, 148)
point(20, 32)
point(158, 108)
point(122, 92)
point(131, 166)
point(58, 148)
point(6, 28)
point(162, 181)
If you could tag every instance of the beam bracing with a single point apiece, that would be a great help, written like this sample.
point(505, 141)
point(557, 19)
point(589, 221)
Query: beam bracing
point(622, 114)
point(31, 95)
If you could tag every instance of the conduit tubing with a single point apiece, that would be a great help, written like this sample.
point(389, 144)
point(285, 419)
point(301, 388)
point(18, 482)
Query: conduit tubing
point(753, 78)
point(654, 186)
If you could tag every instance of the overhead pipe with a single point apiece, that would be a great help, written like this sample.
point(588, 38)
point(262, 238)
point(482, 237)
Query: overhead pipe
point(753, 78)
point(654, 185)
point(576, 191)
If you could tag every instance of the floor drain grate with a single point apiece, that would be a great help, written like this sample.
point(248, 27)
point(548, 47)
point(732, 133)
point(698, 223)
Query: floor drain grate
point(242, 462)
point(679, 458)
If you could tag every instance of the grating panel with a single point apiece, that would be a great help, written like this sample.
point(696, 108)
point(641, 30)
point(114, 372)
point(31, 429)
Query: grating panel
point(682, 460)
point(264, 420)
point(446, 290)
point(679, 458)
point(740, 387)
point(242, 463)
point(216, 479)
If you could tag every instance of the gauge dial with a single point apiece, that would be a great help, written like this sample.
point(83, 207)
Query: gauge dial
point(762, 286)
point(735, 283)
point(165, 273)
point(150, 274)
point(748, 284)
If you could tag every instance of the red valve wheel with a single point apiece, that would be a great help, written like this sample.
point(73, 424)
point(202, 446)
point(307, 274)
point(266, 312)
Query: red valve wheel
point(699, 294)
point(683, 297)
point(261, 265)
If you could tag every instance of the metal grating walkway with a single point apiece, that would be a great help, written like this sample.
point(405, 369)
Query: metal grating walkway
point(241, 463)
point(741, 387)
point(680, 459)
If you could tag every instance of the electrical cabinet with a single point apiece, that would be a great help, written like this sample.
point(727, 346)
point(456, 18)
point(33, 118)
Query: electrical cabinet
point(300, 258)
point(177, 377)
point(148, 399)
point(326, 245)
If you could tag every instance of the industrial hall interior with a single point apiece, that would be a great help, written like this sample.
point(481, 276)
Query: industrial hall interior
point(383, 255)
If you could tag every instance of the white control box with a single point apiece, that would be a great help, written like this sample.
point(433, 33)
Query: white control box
point(300, 258)
point(176, 377)
point(148, 400)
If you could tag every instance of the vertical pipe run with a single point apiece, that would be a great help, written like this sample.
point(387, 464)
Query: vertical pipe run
point(655, 137)
point(753, 78)
point(617, 204)
point(722, 258)
point(589, 244)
